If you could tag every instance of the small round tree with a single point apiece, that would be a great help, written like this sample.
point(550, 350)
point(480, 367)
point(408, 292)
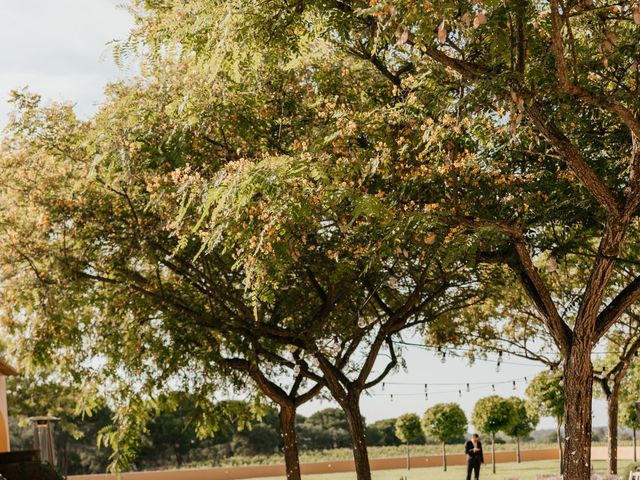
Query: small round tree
point(631, 419)
point(409, 431)
point(546, 393)
point(525, 420)
point(443, 422)
point(491, 415)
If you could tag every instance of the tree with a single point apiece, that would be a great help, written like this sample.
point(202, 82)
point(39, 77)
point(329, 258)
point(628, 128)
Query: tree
point(409, 431)
point(525, 419)
point(491, 415)
point(382, 433)
point(444, 421)
point(623, 343)
point(306, 278)
point(631, 420)
point(520, 140)
point(547, 396)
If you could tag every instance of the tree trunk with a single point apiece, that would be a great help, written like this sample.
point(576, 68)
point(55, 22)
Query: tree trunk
point(408, 457)
point(358, 438)
point(493, 452)
point(635, 455)
point(612, 427)
point(444, 455)
point(578, 382)
point(559, 440)
point(517, 449)
point(289, 441)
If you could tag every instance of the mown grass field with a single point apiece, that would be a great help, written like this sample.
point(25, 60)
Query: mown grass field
point(504, 471)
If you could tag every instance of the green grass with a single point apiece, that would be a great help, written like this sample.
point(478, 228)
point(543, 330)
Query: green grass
point(504, 471)
point(311, 456)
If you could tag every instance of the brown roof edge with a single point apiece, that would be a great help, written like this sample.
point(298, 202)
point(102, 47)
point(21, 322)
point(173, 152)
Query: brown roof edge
point(6, 369)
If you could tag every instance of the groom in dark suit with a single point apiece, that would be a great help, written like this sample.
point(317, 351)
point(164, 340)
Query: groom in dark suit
point(473, 449)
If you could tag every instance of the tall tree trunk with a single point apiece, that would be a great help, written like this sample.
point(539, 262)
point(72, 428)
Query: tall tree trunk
point(578, 382)
point(408, 457)
point(493, 451)
point(290, 444)
point(612, 427)
point(517, 449)
point(444, 455)
point(559, 440)
point(358, 438)
point(635, 455)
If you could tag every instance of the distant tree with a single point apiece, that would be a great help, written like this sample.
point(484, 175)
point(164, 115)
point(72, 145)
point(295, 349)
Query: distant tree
point(383, 433)
point(491, 415)
point(525, 420)
point(409, 431)
point(444, 421)
point(631, 419)
point(330, 424)
point(546, 393)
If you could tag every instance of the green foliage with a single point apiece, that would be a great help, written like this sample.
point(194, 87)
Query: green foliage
point(525, 418)
point(444, 421)
point(546, 394)
point(629, 411)
point(382, 432)
point(492, 414)
point(408, 429)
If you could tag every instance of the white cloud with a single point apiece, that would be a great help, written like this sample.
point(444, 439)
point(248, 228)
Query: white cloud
point(59, 49)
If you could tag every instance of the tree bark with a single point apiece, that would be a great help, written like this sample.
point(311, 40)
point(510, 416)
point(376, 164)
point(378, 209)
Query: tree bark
point(578, 381)
point(493, 452)
point(612, 427)
point(408, 457)
point(289, 440)
point(559, 440)
point(358, 438)
point(635, 455)
point(517, 449)
point(444, 455)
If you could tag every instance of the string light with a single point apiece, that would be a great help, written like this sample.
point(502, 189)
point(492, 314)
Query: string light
point(425, 387)
point(460, 393)
point(493, 388)
point(514, 384)
point(444, 358)
point(383, 386)
point(468, 389)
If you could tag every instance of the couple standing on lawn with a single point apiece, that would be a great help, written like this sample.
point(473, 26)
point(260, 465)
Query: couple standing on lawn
point(473, 449)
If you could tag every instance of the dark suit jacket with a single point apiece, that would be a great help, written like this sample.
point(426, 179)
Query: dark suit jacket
point(475, 457)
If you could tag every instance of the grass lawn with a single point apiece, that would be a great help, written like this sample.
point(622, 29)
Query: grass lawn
point(504, 471)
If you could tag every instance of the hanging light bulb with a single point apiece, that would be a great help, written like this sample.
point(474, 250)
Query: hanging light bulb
point(525, 379)
point(468, 389)
point(443, 359)
point(514, 384)
point(498, 366)
point(493, 388)
point(426, 396)
point(460, 393)
point(391, 397)
point(425, 387)
point(383, 386)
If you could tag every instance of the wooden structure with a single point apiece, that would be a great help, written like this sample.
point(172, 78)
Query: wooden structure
point(5, 371)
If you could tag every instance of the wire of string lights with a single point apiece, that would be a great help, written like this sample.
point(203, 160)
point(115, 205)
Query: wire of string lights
point(472, 350)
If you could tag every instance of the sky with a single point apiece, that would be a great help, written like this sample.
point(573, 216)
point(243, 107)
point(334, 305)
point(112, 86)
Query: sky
point(59, 49)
